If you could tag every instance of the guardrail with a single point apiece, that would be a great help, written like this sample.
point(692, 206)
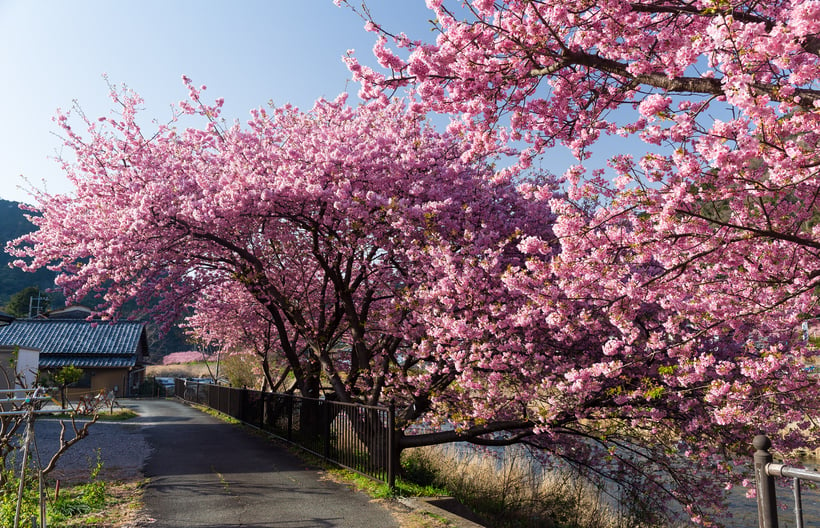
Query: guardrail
point(358, 437)
point(765, 472)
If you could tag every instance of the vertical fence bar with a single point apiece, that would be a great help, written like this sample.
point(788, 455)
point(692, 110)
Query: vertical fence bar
point(360, 437)
point(344, 440)
point(392, 445)
point(798, 504)
point(326, 426)
point(290, 417)
point(766, 500)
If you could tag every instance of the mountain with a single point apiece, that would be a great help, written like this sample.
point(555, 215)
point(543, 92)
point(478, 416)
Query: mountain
point(13, 224)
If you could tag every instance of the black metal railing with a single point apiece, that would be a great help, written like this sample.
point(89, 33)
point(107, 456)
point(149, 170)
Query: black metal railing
point(765, 472)
point(354, 436)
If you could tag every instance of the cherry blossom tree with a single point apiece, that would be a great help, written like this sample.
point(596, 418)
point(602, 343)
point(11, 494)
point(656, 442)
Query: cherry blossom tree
point(229, 319)
point(729, 89)
point(319, 237)
point(695, 260)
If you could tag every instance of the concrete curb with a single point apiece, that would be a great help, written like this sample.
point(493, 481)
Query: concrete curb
point(444, 507)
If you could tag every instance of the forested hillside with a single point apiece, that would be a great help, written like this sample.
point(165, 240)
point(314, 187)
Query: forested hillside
point(13, 223)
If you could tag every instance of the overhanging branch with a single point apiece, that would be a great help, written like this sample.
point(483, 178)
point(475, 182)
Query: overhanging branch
point(680, 84)
point(520, 429)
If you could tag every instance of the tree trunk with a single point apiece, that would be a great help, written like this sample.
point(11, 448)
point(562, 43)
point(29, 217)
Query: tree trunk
point(311, 422)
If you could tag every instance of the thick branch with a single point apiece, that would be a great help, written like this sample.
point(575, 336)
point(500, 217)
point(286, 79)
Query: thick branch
point(519, 428)
point(79, 434)
point(682, 84)
point(763, 233)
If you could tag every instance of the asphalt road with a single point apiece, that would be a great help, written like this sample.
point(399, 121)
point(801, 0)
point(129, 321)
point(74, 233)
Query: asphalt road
point(205, 473)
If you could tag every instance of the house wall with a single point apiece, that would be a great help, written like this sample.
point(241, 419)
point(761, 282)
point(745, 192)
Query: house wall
point(27, 366)
point(109, 379)
point(6, 373)
point(102, 380)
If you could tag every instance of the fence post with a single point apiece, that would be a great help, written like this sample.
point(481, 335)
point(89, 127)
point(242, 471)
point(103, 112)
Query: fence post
point(392, 448)
point(326, 426)
point(265, 414)
point(766, 500)
point(290, 416)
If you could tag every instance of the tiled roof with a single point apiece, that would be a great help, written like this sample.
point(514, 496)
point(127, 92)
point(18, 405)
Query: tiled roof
point(87, 362)
point(78, 342)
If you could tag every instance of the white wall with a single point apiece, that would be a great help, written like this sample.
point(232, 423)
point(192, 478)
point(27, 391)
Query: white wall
point(28, 363)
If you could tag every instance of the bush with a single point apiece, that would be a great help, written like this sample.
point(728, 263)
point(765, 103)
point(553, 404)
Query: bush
point(78, 501)
point(8, 501)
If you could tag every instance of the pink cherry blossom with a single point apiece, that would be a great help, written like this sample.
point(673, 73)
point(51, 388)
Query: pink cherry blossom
point(693, 263)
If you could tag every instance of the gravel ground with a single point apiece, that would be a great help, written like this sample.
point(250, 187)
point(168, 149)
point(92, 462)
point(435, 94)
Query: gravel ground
point(122, 448)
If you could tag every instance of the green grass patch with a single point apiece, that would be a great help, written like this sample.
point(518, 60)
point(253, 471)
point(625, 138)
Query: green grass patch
point(216, 414)
point(92, 504)
point(119, 415)
point(380, 490)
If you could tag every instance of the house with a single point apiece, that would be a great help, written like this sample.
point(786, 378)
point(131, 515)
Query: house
point(18, 367)
point(112, 355)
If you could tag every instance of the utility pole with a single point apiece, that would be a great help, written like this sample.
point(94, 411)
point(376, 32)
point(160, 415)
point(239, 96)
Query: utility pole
point(36, 305)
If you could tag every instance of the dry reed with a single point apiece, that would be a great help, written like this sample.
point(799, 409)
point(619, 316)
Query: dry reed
point(510, 491)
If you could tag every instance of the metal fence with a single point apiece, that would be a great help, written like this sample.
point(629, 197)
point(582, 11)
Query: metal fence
point(357, 437)
point(765, 472)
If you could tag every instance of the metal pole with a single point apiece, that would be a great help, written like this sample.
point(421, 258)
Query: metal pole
point(290, 415)
point(41, 491)
point(21, 488)
point(766, 500)
point(326, 426)
point(392, 451)
point(798, 504)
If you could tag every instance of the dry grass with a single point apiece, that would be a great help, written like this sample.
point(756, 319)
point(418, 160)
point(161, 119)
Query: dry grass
point(510, 492)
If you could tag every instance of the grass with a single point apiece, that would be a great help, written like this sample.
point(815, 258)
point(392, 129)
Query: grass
point(120, 415)
point(119, 509)
point(216, 414)
point(380, 490)
point(92, 504)
point(510, 493)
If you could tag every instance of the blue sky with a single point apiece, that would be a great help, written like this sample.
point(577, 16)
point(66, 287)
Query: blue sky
point(249, 52)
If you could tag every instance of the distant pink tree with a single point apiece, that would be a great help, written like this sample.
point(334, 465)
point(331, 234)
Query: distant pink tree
point(228, 318)
point(191, 356)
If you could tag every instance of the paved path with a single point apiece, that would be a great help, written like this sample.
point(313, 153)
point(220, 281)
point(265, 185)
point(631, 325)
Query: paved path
point(205, 473)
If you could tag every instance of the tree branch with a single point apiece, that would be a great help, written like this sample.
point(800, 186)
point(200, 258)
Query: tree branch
point(79, 434)
point(682, 84)
point(520, 428)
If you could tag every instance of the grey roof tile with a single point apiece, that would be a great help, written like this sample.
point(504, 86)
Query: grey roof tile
point(78, 342)
point(87, 362)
